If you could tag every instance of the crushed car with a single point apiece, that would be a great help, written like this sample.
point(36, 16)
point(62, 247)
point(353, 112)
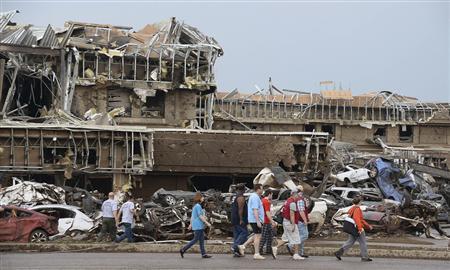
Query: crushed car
point(70, 218)
point(23, 225)
point(352, 174)
point(27, 194)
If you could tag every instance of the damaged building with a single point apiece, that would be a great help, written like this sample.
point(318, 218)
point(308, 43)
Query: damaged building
point(101, 106)
point(382, 117)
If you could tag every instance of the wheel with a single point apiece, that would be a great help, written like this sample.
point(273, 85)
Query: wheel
point(38, 236)
point(170, 200)
point(373, 172)
point(348, 183)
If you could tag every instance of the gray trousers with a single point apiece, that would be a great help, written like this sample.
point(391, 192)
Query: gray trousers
point(351, 241)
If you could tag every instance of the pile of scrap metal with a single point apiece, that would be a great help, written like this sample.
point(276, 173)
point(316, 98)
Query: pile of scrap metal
point(398, 195)
point(28, 194)
point(167, 215)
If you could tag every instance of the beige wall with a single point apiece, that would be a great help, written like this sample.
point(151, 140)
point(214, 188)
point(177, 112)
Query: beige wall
point(433, 135)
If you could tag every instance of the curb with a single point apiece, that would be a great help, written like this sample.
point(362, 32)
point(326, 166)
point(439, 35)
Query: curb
point(315, 250)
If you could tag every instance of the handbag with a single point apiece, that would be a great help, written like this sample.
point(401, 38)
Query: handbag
point(350, 226)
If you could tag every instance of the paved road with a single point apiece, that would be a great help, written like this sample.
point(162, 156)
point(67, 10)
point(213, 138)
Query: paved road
point(113, 261)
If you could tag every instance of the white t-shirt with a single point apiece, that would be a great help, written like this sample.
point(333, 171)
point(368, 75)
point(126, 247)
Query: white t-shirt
point(108, 207)
point(127, 212)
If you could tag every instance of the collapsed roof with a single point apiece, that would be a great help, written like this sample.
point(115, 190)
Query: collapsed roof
point(161, 56)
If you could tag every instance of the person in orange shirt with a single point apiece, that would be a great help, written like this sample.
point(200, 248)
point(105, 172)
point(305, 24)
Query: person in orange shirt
point(356, 213)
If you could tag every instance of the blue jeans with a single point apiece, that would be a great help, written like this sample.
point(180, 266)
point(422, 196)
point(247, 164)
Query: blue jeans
point(127, 234)
point(304, 234)
point(240, 234)
point(199, 236)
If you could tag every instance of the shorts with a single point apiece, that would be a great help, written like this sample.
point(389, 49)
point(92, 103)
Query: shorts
point(255, 228)
point(292, 237)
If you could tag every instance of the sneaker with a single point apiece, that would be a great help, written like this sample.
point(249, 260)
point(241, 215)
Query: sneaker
point(258, 257)
point(181, 253)
point(241, 249)
point(338, 255)
point(206, 256)
point(304, 256)
point(297, 257)
point(366, 259)
point(274, 252)
point(237, 254)
point(289, 250)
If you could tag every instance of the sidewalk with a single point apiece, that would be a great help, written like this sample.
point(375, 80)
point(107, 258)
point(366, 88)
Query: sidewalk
point(313, 248)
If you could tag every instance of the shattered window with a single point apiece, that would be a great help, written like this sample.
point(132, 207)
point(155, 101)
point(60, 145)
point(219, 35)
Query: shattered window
point(22, 214)
point(6, 213)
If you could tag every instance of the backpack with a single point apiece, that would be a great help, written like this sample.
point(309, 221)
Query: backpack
point(350, 225)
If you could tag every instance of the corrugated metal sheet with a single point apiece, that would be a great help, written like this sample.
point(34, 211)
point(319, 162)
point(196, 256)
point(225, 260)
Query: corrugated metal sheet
point(23, 36)
point(6, 17)
point(49, 39)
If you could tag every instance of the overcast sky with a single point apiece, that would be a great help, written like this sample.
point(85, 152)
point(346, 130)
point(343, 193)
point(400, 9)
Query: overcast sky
point(367, 46)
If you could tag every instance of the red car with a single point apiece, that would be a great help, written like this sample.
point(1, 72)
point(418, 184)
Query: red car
point(22, 225)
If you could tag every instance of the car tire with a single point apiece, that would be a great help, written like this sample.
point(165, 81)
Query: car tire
point(373, 172)
point(170, 200)
point(38, 236)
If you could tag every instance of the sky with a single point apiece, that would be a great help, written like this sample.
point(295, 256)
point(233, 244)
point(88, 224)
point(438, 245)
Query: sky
point(399, 46)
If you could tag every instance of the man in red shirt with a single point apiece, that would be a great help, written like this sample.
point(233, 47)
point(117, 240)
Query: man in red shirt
point(269, 224)
point(356, 214)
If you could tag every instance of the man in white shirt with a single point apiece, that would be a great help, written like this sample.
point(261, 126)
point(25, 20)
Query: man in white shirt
point(127, 210)
point(110, 218)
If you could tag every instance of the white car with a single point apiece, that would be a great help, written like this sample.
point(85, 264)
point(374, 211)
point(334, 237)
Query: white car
point(70, 218)
point(353, 174)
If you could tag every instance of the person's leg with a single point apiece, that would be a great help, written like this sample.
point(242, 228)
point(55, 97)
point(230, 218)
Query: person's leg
point(303, 230)
point(250, 240)
point(236, 234)
point(191, 243)
point(263, 238)
point(296, 247)
point(269, 239)
point(346, 246)
point(124, 234)
point(103, 231)
point(113, 230)
point(243, 234)
point(363, 245)
point(129, 232)
point(256, 242)
point(201, 241)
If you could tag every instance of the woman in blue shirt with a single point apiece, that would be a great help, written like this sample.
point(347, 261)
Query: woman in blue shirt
point(198, 222)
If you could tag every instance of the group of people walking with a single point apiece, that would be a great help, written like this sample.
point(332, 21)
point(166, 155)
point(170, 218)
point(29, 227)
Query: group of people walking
point(113, 217)
point(254, 213)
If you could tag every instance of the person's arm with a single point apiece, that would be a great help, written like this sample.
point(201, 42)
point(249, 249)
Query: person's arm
point(118, 215)
point(241, 204)
point(256, 215)
point(302, 210)
point(357, 217)
point(303, 215)
point(292, 216)
point(115, 213)
point(203, 218)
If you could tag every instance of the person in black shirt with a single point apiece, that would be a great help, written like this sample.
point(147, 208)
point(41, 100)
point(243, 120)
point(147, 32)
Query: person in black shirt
point(239, 220)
